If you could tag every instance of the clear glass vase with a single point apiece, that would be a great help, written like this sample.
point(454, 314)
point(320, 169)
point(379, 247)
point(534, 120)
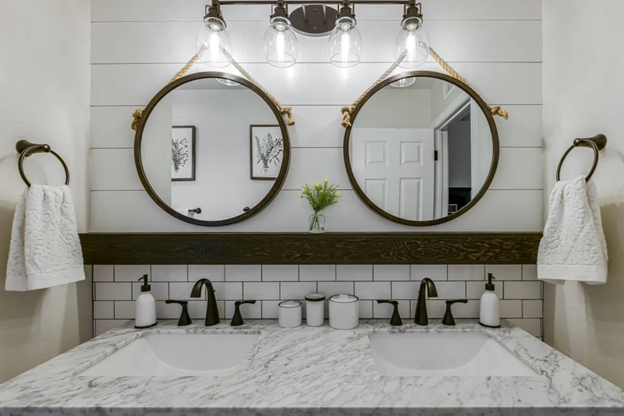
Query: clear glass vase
point(317, 223)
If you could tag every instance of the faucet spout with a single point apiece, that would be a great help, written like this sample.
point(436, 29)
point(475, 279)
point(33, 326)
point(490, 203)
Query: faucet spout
point(426, 287)
point(212, 312)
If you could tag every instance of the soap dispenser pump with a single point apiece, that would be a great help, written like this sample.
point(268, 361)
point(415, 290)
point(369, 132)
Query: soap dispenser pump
point(490, 314)
point(145, 307)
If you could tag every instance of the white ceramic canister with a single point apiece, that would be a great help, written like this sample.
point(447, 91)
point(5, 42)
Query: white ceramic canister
point(289, 313)
point(344, 311)
point(315, 309)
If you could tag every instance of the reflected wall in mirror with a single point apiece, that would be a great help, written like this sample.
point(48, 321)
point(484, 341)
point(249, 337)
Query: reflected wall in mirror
point(422, 149)
point(194, 144)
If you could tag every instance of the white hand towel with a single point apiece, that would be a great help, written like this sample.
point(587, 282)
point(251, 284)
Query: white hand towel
point(45, 249)
point(573, 246)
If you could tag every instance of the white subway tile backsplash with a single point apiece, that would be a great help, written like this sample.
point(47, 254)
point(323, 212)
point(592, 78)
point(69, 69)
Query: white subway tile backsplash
point(104, 309)
point(104, 273)
point(384, 310)
point(261, 291)
point(474, 290)
point(280, 273)
point(182, 291)
point(354, 272)
point(243, 273)
point(466, 272)
point(451, 290)
point(131, 272)
point(248, 311)
point(504, 271)
point(532, 309)
point(391, 273)
point(373, 290)
point(520, 300)
point(432, 271)
point(227, 290)
point(269, 309)
point(523, 290)
point(317, 273)
point(529, 272)
point(160, 290)
point(366, 309)
point(335, 288)
point(212, 272)
point(510, 308)
point(169, 273)
point(296, 290)
point(125, 310)
point(113, 291)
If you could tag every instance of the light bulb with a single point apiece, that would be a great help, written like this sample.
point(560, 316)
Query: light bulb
point(404, 82)
point(214, 46)
point(345, 43)
point(280, 43)
point(412, 41)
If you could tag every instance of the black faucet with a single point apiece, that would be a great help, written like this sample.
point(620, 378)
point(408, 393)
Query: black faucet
point(237, 320)
point(212, 312)
point(395, 320)
point(426, 285)
point(448, 315)
point(185, 318)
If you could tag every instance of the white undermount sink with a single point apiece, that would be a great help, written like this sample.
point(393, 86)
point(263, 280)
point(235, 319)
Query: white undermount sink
point(450, 353)
point(177, 355)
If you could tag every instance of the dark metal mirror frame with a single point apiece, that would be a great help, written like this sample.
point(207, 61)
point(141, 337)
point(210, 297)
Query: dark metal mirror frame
point(495, 148)
point(281, 177)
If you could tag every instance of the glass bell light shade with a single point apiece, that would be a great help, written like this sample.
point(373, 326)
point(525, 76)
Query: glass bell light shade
point(280, 43)
point(403, 82)
point(227, 82)
point(345, 43)
point(214, 46)
point(413, 41)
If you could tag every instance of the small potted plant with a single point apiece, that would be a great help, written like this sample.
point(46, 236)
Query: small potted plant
point(320, 197)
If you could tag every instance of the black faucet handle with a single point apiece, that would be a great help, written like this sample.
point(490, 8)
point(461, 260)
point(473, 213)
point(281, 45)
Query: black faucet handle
point(237, 319)
point(395, 320)
point(185, 318)
point(448, 315)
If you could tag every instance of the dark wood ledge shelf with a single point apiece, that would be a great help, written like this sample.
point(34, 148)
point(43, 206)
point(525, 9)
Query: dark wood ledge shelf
point(305, 248)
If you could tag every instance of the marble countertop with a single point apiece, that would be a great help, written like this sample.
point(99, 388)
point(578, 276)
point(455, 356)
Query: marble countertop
point(305, 371)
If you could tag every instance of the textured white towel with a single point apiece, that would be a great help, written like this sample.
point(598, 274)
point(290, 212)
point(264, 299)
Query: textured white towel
point(573, 246)
point(45, 249)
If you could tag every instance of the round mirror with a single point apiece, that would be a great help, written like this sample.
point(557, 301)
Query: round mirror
point(212, 149)
point(422, 148)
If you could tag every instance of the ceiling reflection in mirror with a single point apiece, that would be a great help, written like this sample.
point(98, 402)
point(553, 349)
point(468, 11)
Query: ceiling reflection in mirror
point(421, 149)
point(212, 149)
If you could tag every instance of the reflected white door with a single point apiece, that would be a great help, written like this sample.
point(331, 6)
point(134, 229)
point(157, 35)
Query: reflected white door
point(395, 168)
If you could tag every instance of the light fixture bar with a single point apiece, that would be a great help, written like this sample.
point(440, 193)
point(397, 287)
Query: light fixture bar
point(309, 2)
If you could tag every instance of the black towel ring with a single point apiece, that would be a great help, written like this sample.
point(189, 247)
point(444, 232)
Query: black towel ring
point(26, 148)
point(597, 143)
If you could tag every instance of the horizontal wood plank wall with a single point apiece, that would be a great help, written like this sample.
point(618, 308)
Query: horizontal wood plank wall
point(305, 248)
point(137, 45)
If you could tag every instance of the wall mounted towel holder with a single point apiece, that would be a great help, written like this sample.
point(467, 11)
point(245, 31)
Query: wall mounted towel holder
point(597, 143)
point(26, 148)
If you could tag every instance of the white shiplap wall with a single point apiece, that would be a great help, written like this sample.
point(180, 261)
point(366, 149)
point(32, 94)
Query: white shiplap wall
point(138, 45)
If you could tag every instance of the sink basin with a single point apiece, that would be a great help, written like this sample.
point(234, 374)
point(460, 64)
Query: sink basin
point(451, 353)
point(177, 355)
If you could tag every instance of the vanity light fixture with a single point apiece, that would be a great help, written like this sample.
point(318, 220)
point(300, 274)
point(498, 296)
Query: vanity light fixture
point(345, 41)
point(214, 46)
point(412, 39)
point(313, 19)
point(280, 42)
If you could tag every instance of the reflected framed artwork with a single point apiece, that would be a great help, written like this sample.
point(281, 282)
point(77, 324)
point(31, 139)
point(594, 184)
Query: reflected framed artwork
point(182, 153)
point(266, 150)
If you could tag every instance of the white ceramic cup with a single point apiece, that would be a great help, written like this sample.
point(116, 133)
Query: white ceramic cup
point(344, 311)
point(289, 313)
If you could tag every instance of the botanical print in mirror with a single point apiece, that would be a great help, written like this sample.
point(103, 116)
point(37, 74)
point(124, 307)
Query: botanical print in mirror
point(267, 148)
point(183, 153)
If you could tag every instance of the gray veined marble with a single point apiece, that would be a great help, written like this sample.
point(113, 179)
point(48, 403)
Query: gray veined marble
point(306, 371)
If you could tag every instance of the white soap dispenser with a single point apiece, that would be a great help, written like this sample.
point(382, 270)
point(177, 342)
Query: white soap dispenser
point(145, 307)
point(490, 315)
